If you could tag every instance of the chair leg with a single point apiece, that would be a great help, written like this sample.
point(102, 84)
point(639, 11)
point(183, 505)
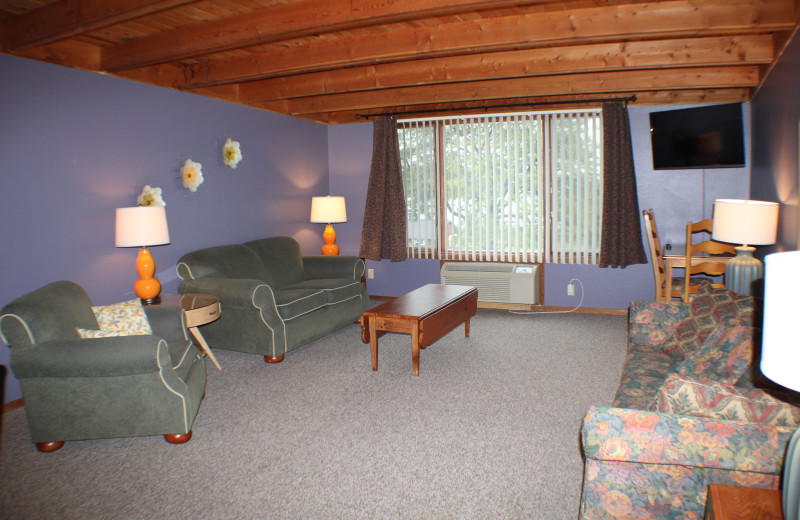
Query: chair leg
point(273, 359)
point(178, 438)
point(47, 447)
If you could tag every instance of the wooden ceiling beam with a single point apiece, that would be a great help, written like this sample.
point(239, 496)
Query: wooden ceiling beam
point(742, 76)
point(70, 53)
point(282, 22)
point(67, 18)
point(643, 98)
point(689, 52)
point(670, 19)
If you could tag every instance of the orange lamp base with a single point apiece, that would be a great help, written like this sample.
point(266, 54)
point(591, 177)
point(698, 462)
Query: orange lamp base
point(146, 287)
point(330, 247)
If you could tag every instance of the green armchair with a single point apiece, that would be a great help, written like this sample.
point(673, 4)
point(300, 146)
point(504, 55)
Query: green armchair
point(123, 386)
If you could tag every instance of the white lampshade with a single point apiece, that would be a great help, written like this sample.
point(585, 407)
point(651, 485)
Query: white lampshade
point(780, 348)
point(328, 210)
point(141, 227)
point(747, 222)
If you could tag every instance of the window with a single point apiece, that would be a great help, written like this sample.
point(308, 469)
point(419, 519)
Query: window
point(504, 188)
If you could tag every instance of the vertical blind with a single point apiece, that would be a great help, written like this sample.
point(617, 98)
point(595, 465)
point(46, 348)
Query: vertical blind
point(505, 188)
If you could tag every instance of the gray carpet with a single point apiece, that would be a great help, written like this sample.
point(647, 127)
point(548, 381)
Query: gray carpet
point(490, 429)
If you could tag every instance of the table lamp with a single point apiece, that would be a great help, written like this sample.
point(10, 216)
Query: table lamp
point(747, 223)
point(780, 355)
point(142, 227)
point(328, 210)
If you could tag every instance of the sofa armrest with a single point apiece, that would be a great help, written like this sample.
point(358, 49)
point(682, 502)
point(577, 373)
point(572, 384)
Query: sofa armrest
point(626, 435)
point(166, 321)
point(654, 323)
point(322, 266)
point(95, 357)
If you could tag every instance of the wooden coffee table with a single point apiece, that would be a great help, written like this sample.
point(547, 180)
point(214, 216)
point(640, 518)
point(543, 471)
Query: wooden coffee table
point(427, 313)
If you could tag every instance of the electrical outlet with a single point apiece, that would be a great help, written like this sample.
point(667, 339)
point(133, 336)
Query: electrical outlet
point(370, 273)
point(570, 289)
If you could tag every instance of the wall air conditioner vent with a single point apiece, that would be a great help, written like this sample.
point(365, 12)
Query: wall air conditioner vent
point(496, 282)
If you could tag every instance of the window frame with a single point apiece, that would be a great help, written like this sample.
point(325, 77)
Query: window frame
point(551, 178)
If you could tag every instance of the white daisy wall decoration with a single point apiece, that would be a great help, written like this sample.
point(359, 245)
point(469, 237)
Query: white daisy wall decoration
point(150, 196)
point(192, 175)
point(231, 153)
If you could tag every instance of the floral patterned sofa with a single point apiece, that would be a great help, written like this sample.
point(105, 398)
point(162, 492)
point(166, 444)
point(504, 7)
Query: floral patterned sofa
point(692, 409)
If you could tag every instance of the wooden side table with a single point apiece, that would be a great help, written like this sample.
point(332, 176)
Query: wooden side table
point(743, 503)
point(198, 309)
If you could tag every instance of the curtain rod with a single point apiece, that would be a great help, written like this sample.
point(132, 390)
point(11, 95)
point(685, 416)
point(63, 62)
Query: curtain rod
point(513, 105)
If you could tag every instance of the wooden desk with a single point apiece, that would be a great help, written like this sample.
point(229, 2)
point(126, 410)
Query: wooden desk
point(676, 257)
point(427, 313)
point(742, 503)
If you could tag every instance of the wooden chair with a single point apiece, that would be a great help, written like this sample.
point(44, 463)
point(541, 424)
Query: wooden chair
point(657, 261)
point(707, 248)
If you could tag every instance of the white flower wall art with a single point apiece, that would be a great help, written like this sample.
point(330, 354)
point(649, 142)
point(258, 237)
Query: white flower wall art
point(231, 153)
point(192, 175)
point(150, 196)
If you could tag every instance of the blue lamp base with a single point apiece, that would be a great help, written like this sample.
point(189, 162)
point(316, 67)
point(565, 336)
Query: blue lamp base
point(742, 270)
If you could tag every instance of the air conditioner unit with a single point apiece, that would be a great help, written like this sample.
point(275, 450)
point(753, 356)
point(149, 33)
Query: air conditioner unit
point(496, 282)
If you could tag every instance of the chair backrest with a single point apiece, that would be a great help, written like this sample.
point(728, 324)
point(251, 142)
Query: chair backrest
point(704, 226)
point(708, 248)
point(656, 256)
point(229, 261)
point(282, 258)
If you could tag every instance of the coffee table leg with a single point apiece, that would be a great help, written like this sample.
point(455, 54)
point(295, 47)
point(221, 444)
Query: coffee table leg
point(373, 341)
point(415, 347)
point(466, 328)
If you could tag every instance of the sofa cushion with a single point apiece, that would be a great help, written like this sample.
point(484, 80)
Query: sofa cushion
point(126, 318)
point(230, 261)
point(643, 374)
point(708, 308)
point(335, 289)
point(654, 323)
point(293, 301)
point(282, 259)
point(725, 355)
point(708, 398)
point(91, 333)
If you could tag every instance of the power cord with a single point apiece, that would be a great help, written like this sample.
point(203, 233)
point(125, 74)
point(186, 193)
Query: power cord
point(557, 312)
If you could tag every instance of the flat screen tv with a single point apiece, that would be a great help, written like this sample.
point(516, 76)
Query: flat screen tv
point(703, 137)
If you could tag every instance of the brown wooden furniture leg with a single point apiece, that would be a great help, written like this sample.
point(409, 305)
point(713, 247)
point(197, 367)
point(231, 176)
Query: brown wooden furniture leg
point(373, 341)
point(178, 438)
point(415, 340)
point(273, 359)
point(47, 447)
point(466, 328)
point(206, 349)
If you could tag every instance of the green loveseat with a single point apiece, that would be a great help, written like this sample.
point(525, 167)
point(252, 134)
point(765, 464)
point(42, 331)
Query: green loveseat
point(692, 409)
point(273, 298)
point(100, 387)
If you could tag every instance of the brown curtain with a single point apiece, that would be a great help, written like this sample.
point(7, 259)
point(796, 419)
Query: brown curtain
point(384, 231)
point(621, 242)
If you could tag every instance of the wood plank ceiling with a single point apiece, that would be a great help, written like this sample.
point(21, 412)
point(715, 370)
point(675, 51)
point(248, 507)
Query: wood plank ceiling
point(333, 60)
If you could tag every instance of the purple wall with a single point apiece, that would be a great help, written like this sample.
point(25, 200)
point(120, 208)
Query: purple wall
point(76, 145)
point(776, 112)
